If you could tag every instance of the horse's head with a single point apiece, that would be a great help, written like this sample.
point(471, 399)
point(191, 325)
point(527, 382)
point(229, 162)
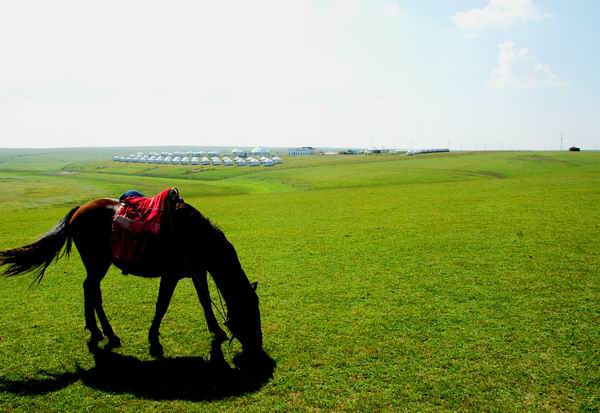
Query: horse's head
point(208, 249)
point(243, 320)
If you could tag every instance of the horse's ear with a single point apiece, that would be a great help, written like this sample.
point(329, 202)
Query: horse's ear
point(254, 285)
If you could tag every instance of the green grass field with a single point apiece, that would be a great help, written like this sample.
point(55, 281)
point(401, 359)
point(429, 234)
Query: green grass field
point(456, 282)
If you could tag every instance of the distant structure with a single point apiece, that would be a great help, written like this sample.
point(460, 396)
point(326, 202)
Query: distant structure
point(421, 151)
point(240, 153)
point(371, 151)
point(303, 151)
point(260, 151)
point(202, 158)
point(574, 149)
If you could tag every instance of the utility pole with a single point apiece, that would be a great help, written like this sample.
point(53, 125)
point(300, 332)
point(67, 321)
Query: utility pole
point(561, 140)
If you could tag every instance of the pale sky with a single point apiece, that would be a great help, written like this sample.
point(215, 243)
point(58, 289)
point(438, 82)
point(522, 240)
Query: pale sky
point(468, 74)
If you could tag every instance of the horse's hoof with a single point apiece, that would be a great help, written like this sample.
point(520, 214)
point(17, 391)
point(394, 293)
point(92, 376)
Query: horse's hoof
point(219, 336)
point(96, 336)
point(93, 346)
point(113, 342)
point(156, 350)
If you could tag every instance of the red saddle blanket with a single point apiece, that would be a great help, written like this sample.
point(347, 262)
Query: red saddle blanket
point(138, 228)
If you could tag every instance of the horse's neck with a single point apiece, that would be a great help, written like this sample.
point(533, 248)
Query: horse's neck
point(229, 277)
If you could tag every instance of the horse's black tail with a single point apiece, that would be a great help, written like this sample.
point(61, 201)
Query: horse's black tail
point(36, 257)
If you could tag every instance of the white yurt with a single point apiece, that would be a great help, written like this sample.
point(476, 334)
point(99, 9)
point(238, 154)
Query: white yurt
point(204, 161)
point(216, 161)
point(168, 159)
point(228, 162)
point(176, 160)
point(185, 160)
point(241, 162)
point(195, 160)
point(254, 162)
point(260, 151)
point(268, 162)
point(277, 160)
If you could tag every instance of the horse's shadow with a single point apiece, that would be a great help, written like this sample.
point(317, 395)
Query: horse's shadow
point(181, 378)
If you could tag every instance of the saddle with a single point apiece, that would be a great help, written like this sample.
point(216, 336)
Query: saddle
point(140, 231)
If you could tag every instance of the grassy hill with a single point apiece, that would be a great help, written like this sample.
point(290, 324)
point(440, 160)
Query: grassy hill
point(461, 281)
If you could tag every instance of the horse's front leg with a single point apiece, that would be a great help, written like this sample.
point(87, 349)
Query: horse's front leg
point(165, 292)
point(201, 285)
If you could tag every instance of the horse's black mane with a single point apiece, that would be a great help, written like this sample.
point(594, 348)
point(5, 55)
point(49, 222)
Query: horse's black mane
point(201, 220)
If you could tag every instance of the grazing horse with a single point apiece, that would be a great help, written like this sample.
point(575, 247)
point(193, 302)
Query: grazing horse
point(191, 247)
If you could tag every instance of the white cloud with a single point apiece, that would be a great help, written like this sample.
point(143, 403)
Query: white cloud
point(392, 10)
point(516, 68)
point(498, 13)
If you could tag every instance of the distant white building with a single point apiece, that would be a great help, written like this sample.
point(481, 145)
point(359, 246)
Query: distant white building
point(239, 152)
point(305, 150)
point(259, 150)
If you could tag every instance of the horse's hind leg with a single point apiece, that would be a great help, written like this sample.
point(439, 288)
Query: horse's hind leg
point(201, 285)
point(113, 340)
point(93, 306)
point(90, 316)
point(165, 292)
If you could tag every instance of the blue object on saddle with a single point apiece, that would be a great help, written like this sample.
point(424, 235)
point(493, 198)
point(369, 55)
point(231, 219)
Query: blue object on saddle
point(130, 194)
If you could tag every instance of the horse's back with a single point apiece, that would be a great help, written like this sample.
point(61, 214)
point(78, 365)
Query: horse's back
point(90, 228)
point(98, 208)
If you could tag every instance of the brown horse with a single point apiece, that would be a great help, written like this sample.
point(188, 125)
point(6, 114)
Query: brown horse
point(192, 247)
